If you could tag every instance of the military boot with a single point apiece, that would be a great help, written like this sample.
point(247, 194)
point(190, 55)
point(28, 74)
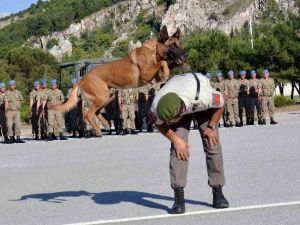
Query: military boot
point(219, 201)
point(50, 137)
point(74, 134)
point(179, 203)
point(132, 131)
point(124, 132)
point(238, 124)
point(62, 137)
point(230, 124)
point(273, 121)
point(263, 122)
point(36, 136)
point(6, 140)
point(12, 140)
point(19, 140)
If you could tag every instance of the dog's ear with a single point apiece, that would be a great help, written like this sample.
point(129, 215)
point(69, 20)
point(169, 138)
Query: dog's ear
point(177, 34)
point(163, 35)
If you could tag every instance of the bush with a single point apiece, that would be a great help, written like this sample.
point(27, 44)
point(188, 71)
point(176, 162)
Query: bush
point(282, 101)
point(51, 43)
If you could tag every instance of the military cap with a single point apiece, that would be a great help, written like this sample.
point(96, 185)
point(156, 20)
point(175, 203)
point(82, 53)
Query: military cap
point(243, 72)
point(36, 83)
point(266, 71)
point(74, 81)
point(43, 81)
point(168, 106)
point(12, 82)
point(2, 85)
point(53, 82)
point(219, 74)
point(207, 75)
point(252, 72)
point(230, 73)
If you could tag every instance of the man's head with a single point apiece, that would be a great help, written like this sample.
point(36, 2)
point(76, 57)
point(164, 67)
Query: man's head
point(2, 87)
point(36, 85)
point(169, 108)
point(73, 82)
point(170, 47)
point(266, 73)
point(12, 85)
point(253, 74)
point(44, 83)
point(219, 76)
point(243, 74)
point(53, 84)
point(208, 76)
point(230, 74)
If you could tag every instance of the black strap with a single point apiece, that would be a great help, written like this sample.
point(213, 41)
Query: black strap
point(198, 86)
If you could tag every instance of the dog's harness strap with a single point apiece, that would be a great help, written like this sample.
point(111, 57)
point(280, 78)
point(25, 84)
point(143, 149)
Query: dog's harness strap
point(198, 86)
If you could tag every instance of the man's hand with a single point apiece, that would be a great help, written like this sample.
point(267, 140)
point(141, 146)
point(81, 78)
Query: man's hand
point(182, 149)
point(212, 135)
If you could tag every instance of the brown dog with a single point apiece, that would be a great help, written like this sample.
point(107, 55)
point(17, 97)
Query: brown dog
point(137, 69)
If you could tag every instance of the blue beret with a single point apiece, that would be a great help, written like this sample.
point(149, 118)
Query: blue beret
point(44, 81)
point(219, 74)
point(207, 75)
point(36, 83)
point(243, 72)
point(74, 81)
point(252, 72)
point(53, 82)
point(12, 82)
point(266, 71)
point(230, 73)
point(2, 85)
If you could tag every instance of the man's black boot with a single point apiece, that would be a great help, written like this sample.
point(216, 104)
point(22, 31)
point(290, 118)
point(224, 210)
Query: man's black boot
point(74, 134)
point(50, 137)
point(230, 124)
point(132, 131)
point(219, 201)
point(179, 203)
point(62, 137)
point(6, 140)
point(19, 140)
point(12, 140)
point(263, 122)
point(273, 121)
point(36, 136)
point(124, 132)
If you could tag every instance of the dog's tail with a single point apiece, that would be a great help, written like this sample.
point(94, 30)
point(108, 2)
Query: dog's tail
point(71, 103)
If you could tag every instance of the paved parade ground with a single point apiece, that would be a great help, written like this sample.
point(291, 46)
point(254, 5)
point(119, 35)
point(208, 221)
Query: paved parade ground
point(125, 179)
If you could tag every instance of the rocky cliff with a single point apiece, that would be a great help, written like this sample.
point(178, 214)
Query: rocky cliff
point(188, 15)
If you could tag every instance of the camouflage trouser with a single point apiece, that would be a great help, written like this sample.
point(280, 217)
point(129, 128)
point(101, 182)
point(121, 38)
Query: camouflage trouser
point(55, 122)
point(243, 107)
point(233, 110)
point(267, 106)
point(254, 103)
point(43, 121)
point(128, 116)
point(13, 122)
point(3, 123)
point(35, 121)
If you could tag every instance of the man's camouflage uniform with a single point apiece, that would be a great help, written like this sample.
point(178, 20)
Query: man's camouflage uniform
point(2, 117)
point(127, 99)
point(243, 99)
point(143, 107)
point(232, 88)
point(56, 123)
point(14, 100)
point(43, 117)
point(34, 96)
point(267, 86)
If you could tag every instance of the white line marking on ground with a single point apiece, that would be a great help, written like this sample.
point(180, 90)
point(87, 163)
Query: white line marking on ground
point(210, 211)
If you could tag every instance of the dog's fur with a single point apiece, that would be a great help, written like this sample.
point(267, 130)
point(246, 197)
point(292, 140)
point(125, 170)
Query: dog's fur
point(137, 69)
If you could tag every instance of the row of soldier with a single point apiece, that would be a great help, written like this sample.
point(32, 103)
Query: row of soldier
point(128, 111)
point(244, 97)
point(129, 108)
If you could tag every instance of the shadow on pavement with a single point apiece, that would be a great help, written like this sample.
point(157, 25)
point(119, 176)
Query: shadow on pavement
point(110, 198)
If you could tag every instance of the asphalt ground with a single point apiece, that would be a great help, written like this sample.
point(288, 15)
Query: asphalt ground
point(125, 179)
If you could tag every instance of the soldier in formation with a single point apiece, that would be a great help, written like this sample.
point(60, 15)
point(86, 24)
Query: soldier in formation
point(127, 100)
point(13, 102)
point(3, 129)
point(35, 102)
point(56, 123)
point(267, 86)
